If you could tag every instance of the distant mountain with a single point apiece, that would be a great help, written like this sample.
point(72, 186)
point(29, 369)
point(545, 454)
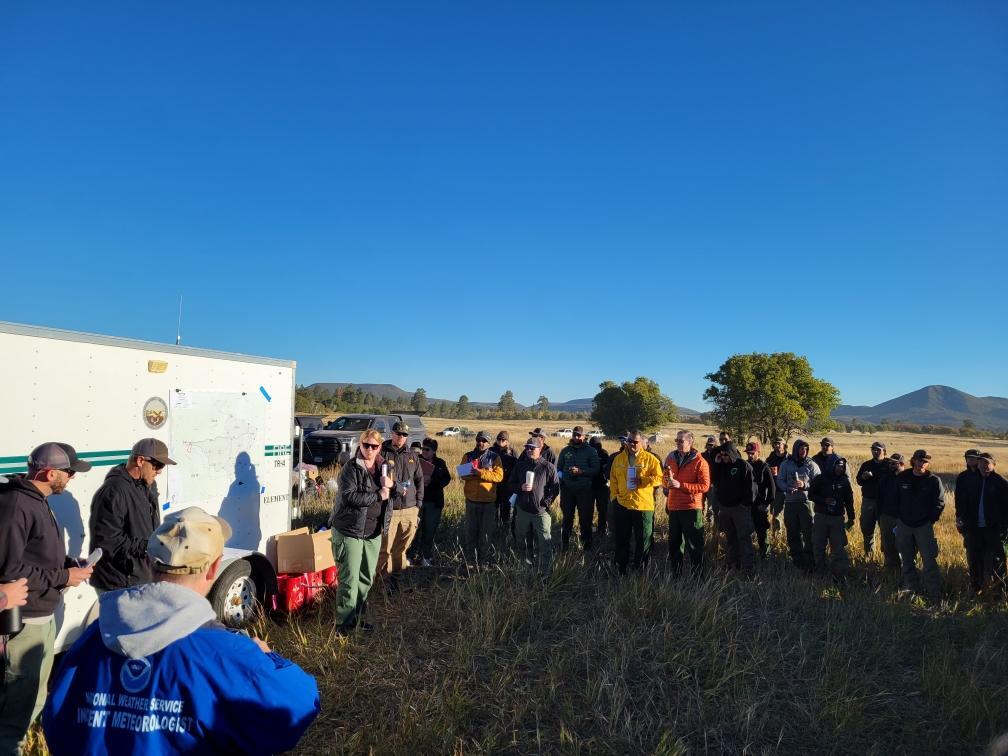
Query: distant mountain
point(382, 390)
point(934, 405)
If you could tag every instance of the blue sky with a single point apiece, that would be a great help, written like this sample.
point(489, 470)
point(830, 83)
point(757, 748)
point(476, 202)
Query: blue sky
point(473, 197)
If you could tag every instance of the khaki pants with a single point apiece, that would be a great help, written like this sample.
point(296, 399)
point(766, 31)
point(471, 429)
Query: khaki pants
point(402, 530)
point(831, 529)
point(919, 539)
point(29, 661)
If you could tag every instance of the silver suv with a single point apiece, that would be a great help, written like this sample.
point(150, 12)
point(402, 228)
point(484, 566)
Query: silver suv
point(337, 442)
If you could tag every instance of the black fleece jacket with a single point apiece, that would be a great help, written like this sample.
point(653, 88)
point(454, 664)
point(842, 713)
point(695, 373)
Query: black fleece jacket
point(765, 485)
point(31, 546)
point(832, 495)
point(921, 498)
point(735, 483)
point(124, 513)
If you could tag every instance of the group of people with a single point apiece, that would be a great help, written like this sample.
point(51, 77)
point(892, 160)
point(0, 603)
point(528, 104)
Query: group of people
point(156, 673)
point(711, 493)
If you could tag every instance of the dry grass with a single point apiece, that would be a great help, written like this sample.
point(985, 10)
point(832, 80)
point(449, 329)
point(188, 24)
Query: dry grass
point(498, 661)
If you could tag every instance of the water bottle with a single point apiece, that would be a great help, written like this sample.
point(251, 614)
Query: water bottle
point(10, 619)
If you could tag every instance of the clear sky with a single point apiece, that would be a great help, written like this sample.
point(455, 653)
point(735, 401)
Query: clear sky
point(472, 197)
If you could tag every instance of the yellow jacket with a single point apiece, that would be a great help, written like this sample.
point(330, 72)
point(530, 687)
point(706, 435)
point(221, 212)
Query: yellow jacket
point(649, 475)
point(481, 486)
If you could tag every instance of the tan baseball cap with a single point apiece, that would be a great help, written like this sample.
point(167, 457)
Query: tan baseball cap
point(187, 542)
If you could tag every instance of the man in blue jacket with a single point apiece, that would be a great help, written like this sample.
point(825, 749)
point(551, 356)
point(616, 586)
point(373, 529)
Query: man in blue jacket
point(157, 674)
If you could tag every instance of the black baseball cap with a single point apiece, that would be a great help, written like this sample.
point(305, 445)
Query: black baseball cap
point(922, 455)
point(54, 455)
point(897, 457)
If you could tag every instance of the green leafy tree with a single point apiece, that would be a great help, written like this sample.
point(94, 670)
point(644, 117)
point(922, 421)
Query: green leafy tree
point(419, 400)
point(462, 408)
point(506, 405)
point(634, 404)
point(542, 405)
point(770, 395)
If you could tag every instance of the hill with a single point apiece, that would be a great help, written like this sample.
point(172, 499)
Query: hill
point(935, 405)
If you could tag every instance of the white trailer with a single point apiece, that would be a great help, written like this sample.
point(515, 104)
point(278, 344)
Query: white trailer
point(227, 420)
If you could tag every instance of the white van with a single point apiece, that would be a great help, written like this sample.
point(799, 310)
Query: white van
point(227, 420)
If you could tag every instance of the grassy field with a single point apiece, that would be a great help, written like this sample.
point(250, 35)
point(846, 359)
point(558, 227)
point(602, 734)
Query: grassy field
point(499, 661)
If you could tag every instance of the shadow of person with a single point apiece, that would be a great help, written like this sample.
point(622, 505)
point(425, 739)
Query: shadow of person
point(66, 510)
point(241, 505)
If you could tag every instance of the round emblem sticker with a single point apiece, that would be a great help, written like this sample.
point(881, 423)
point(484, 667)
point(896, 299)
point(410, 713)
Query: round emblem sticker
point(155, 412)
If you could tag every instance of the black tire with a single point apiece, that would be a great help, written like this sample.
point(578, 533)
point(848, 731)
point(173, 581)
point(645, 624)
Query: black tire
point(234, 595)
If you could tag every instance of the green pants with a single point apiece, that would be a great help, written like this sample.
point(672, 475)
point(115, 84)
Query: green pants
point(830, 529)
point(920, 539)
point(430, 519)
point(798, 523)
point(357, 561)
point(868, 519)
point(480, 523)
point(29, 661)
point(539, 526)
point(631, 525)
point(686, 535)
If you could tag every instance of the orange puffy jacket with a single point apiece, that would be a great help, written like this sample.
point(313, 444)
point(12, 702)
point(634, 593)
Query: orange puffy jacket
point(695, 478)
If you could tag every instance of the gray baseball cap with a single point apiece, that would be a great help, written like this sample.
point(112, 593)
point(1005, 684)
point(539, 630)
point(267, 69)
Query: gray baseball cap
point(54, 455)
point(152, 448)
point(534, 442)
point(483, 436)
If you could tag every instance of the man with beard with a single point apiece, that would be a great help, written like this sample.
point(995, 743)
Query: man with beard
point(633, 475)
point(766, 489)
point(736, 496)
point(31, 547)
point(480, 490)
point(547, 451)
point(982, 518)
point(600, 488)
point(710, 498)
point(577, 465)
point(773, 460)
point(826, 457)
point(868, 477)
point(532, 503)
point(795, 478)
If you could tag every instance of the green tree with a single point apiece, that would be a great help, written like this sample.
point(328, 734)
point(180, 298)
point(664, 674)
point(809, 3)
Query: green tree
point(770, 395)
point(506, 405)
point(639, 404)
point(419, 400)
point(462, 408)
point(542, 405)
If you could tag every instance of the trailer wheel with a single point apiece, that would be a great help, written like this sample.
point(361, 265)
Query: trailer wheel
point(234, 595)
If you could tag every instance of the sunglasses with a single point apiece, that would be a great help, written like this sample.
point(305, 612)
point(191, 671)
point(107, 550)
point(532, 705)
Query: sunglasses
point(482, 440)
point(370, 446)
point(530, 447)
point(69, 472)
point(155, 464)
point(427, 448)
point(397, 433)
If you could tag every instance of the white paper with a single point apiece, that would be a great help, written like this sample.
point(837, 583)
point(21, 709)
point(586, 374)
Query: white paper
point(513, 499)
point(181, 400)
point(464, 469)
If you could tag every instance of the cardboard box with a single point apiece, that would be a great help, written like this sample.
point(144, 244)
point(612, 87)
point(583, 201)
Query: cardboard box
point(301, 551)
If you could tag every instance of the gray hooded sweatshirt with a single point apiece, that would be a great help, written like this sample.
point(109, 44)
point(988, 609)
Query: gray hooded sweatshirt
point(144, 619)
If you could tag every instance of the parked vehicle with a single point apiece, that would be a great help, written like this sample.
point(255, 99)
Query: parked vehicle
point(564, 432)
point(595, 433)
point(303, 425)
point(453, 430)
point(337, 442)
point(227, 420)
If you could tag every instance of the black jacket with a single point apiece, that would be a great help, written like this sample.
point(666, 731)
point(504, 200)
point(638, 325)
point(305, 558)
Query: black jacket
point(995, 497)
point(888, 495)
point(967, 488)
point(765, 485)
point(774, 459)
point(870, 486)
point(545, 484)
point(31, 546)
point(832, 494)
point(735, 483)
point(433, 493)
point(404, 468)
point(508, 461)
point(359, 503)
point(921, 498)
point(124, 513)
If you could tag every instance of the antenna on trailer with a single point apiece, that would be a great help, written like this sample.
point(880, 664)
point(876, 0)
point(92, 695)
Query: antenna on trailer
point(178, 331)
